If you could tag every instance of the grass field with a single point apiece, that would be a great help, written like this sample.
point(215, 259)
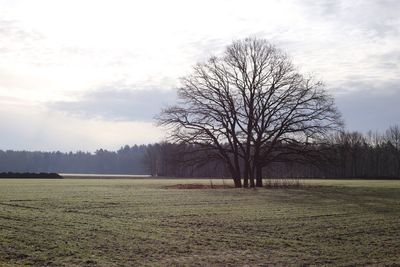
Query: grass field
point(122, 222)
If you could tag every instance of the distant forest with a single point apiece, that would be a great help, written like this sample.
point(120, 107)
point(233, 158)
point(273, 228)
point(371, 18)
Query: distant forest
point(127, 160)
point(344, 155)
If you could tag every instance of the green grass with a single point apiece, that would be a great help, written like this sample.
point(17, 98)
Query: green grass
point(116, 222)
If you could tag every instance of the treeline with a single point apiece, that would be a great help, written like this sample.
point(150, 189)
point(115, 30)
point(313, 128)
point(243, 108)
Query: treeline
point(343, 155)
point(372, 155)
point(127, 160)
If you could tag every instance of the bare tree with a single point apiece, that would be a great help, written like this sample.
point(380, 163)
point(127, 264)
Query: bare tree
point(246, 105)
point(393, 138)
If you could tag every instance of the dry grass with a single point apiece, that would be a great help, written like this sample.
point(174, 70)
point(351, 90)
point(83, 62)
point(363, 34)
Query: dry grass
point(138, 223)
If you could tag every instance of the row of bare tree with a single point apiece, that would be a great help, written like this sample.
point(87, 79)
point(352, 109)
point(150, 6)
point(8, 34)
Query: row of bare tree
point(248, 108)
point(345, 155)
point(126, 160)
point(370, 155)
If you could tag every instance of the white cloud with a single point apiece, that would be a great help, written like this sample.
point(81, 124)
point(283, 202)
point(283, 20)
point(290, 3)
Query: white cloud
point(32, 127)
point(117, 102)
point(58, 51)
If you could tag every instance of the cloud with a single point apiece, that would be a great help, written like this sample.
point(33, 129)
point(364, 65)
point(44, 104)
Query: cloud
point(389, 60)
point(30, 127)
point(336, 38)
point(46, 57)
point(12, 30)
point(376, 17)
point(373, 105)
point(17, 41)
point(117, 103)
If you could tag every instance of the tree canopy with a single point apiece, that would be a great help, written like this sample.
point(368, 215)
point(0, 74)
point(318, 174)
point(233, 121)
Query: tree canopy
point(247, 105)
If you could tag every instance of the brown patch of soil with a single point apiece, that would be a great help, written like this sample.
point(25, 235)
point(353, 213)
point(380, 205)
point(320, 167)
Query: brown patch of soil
point(197, 186)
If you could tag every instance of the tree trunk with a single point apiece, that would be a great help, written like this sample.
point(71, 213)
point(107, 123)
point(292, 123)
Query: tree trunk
point(252, 184)
point(251, 177)
point(259, 181)
point(246, 179)
point(237, 179)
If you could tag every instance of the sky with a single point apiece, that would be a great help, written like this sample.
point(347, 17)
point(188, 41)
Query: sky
point(83, 75)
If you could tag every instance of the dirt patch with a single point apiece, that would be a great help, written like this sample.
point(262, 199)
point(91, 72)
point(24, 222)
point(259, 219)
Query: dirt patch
point(197, 186)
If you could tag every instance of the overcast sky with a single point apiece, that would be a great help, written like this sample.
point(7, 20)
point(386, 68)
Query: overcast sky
point(80, 75)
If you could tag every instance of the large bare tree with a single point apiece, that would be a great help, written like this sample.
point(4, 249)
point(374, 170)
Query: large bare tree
point(248, 107)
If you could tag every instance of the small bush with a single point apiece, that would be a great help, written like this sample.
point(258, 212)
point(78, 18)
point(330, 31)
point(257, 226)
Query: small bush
point(199, 186)
point(284, 183)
